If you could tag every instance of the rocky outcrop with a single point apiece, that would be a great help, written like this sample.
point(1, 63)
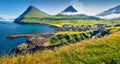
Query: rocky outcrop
point(32, 43)
point(69, 27)
point(36, 43)
point(20, 35)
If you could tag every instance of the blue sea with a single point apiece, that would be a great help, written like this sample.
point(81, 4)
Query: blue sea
point(7, 28)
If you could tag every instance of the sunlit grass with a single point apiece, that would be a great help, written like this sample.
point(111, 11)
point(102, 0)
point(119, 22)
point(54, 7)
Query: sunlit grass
point(94, 51)
point(73, 22)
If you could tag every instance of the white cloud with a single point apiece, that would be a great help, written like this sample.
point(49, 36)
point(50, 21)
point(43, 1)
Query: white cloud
point(7, 17)
point(77, 5)
point(111, 16)
point(70, 13)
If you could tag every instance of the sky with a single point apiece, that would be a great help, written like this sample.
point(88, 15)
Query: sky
point(13, 8)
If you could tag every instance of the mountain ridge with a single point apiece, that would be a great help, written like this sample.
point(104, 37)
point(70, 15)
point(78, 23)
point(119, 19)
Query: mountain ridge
point(31, 12)
point(111, 13)
point(34, 15)
point(70, 10)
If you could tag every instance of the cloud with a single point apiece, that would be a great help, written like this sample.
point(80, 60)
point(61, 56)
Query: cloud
point(7, 17)
point(112, 16)
point(77, 5)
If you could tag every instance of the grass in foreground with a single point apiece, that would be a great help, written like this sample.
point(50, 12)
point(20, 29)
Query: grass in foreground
point(104, 50)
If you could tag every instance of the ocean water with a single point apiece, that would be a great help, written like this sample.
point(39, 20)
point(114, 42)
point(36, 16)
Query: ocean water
point(7, 28)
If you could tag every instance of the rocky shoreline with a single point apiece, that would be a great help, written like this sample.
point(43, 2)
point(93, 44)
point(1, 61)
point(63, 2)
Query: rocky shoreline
point(32, 43)
point(35, 41)
point(20, 35)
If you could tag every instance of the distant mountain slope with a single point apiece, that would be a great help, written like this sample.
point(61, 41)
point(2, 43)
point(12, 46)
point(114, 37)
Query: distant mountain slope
point(78, 16)
point(111, 13)
point(32, 13)
point(1, 18)
point(69, 11)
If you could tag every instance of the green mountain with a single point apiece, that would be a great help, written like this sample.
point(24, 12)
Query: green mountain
point(34, 15)
point(31, 14)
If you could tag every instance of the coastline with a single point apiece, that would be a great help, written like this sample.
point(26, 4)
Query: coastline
point(52, 26)
point(32, 43)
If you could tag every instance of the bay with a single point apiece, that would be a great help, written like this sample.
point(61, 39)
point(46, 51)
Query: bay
point(7, 28)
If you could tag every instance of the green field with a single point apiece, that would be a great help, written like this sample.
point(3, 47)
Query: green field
point(94, 51)
point(78, 22)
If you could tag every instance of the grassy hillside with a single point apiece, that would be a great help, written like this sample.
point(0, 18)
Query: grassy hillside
point(59, 23)
point(67, 37)
point(34, 15)
point(104, 50)
point(75, 22)
point(31, 14)
point(54, 18)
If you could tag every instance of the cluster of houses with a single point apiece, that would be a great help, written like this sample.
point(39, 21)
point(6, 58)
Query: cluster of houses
point(69, 27)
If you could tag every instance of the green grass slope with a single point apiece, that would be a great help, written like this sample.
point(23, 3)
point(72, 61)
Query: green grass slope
point(31, 14)
point(104, 50)
point(67, 37)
